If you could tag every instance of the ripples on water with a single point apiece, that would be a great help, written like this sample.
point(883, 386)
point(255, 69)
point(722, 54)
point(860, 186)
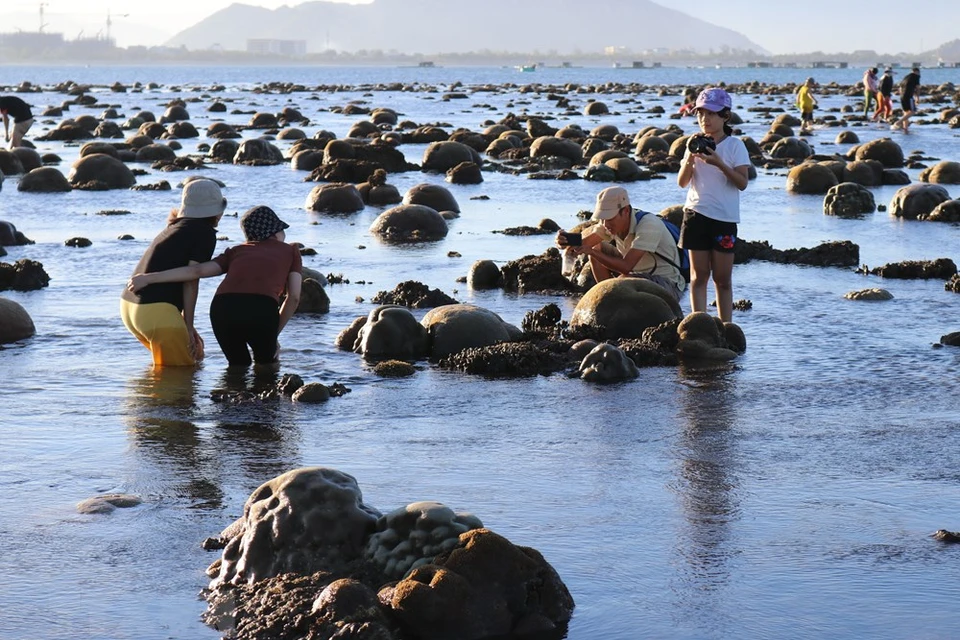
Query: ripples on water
point(791, 495)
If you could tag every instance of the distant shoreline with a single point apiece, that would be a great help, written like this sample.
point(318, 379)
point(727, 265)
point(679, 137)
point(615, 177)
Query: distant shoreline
point(161, 56)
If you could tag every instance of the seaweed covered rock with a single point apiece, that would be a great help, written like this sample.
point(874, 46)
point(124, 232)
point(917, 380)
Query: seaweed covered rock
point(884, 150)
point(455, 327)
point(848, 200)
point(945, 172)
point(413, 294)
point(375, 191)
point(811, 178)
point(535, 273)
point(100, 171)
point(941, 268)
point(607, 363)
point(410, 223)
point(15, 322)
point(842, 253)
point(465, 173)
point(23, 275)
point(871, 295)
point(391, 332)
point(445, 155)
point(948, 211)
point(257, 152)
point(412, 536)
point(335, 197)
point(486, 586)
point(44, 180)
point(313, 297)
point(303, 521)
point(507, 360)
point(701, 336)
point(484, 274)
point(624, 307)
point(916, 201)
point(435, 196)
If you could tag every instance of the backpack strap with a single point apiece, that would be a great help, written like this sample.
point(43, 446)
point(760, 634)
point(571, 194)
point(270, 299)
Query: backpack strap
point(638, 214)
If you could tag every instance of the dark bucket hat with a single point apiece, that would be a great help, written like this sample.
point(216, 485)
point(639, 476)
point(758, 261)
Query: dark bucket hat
point(259, 223)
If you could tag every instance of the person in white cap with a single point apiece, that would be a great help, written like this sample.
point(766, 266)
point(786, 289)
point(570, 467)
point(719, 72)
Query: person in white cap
point(161, 316)
point(246, 312)
point(715, 177)
point(644, 246)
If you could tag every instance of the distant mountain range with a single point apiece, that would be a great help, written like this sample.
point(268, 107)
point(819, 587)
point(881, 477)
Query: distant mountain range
point(431, 27)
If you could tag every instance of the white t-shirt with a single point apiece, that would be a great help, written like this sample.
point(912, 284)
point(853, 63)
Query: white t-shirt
point(711, 194)
point(652, 237)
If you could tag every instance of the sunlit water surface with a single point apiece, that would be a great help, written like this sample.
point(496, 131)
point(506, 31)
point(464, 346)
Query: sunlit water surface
point(792, 495)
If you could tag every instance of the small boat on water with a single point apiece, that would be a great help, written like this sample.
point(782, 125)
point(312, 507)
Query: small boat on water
point(526, 68)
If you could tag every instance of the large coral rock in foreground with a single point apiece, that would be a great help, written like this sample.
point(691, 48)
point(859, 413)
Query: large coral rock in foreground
point(485, 587)
point(454, 327)
point(15, 322)
point(303, 521)
point(624, 307)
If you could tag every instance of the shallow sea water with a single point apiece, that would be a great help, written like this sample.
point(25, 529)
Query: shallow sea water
point(791, 495)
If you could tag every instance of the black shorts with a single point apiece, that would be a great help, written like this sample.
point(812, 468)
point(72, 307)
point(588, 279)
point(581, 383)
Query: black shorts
point(807, 116)
point(700, 233)
point(908, 103)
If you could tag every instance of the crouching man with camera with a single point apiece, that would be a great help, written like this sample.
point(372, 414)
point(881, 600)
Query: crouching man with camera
point(645, 248)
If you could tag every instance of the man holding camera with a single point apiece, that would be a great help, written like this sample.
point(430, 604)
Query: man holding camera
point(644, 247)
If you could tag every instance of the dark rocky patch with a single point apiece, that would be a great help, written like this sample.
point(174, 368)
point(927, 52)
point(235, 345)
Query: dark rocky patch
point(829, 254)
point(414, 295)
point(507, 359)
point(23, 275)
point(535, 273)
point(941, 268)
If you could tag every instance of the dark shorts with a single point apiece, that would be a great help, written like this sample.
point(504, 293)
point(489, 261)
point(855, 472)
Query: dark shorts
point(700, 233)
point(908, 103)
point(807, 116)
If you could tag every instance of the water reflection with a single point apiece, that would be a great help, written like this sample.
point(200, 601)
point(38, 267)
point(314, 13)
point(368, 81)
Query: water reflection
point(256, 430)
point(708, 488)
point(193, 446)
point(160, 405)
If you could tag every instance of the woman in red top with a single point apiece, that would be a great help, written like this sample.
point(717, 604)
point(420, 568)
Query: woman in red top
point(246, 310)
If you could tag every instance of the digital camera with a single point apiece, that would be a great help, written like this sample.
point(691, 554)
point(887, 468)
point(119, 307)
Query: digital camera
point(700, 142)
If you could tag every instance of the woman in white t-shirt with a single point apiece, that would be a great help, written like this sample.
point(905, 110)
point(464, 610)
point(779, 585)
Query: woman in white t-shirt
point(716, 176)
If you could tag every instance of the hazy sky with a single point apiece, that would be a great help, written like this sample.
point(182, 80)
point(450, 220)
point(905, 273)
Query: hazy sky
point(798, 26)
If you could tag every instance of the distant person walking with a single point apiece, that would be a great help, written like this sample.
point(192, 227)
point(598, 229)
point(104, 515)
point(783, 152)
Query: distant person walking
point(871, 84)
point(806, 102)
point(908, 99)
point(22, 119)
point(884, 104)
